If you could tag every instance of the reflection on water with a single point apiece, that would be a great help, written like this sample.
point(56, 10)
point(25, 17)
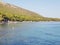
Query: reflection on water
point(3, 29)
point(30, 33)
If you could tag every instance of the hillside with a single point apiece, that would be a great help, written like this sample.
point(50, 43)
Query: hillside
point(14, 13)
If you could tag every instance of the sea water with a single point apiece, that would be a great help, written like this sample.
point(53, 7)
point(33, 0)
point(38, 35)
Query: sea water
point(30, 33)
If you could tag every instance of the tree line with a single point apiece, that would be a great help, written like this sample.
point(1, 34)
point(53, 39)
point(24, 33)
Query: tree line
point(14, 17)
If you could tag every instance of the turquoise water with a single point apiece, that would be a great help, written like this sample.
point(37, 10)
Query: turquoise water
point(30, 33)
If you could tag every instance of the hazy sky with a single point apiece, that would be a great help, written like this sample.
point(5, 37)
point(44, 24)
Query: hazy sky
point(47, 8)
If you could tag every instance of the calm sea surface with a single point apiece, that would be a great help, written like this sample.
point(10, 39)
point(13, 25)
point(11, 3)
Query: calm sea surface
point(30, 33)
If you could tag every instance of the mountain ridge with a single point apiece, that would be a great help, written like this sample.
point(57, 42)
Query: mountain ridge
point(15, 13)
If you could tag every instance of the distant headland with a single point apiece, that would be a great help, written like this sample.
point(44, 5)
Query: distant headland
point(13, 13)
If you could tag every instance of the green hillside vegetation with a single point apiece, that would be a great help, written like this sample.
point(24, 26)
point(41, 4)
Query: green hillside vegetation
point(14, 13)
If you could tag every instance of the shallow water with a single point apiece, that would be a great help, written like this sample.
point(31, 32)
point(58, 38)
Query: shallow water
point(30, 33)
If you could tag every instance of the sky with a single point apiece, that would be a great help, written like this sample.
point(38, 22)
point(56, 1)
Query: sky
point(47, 8)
